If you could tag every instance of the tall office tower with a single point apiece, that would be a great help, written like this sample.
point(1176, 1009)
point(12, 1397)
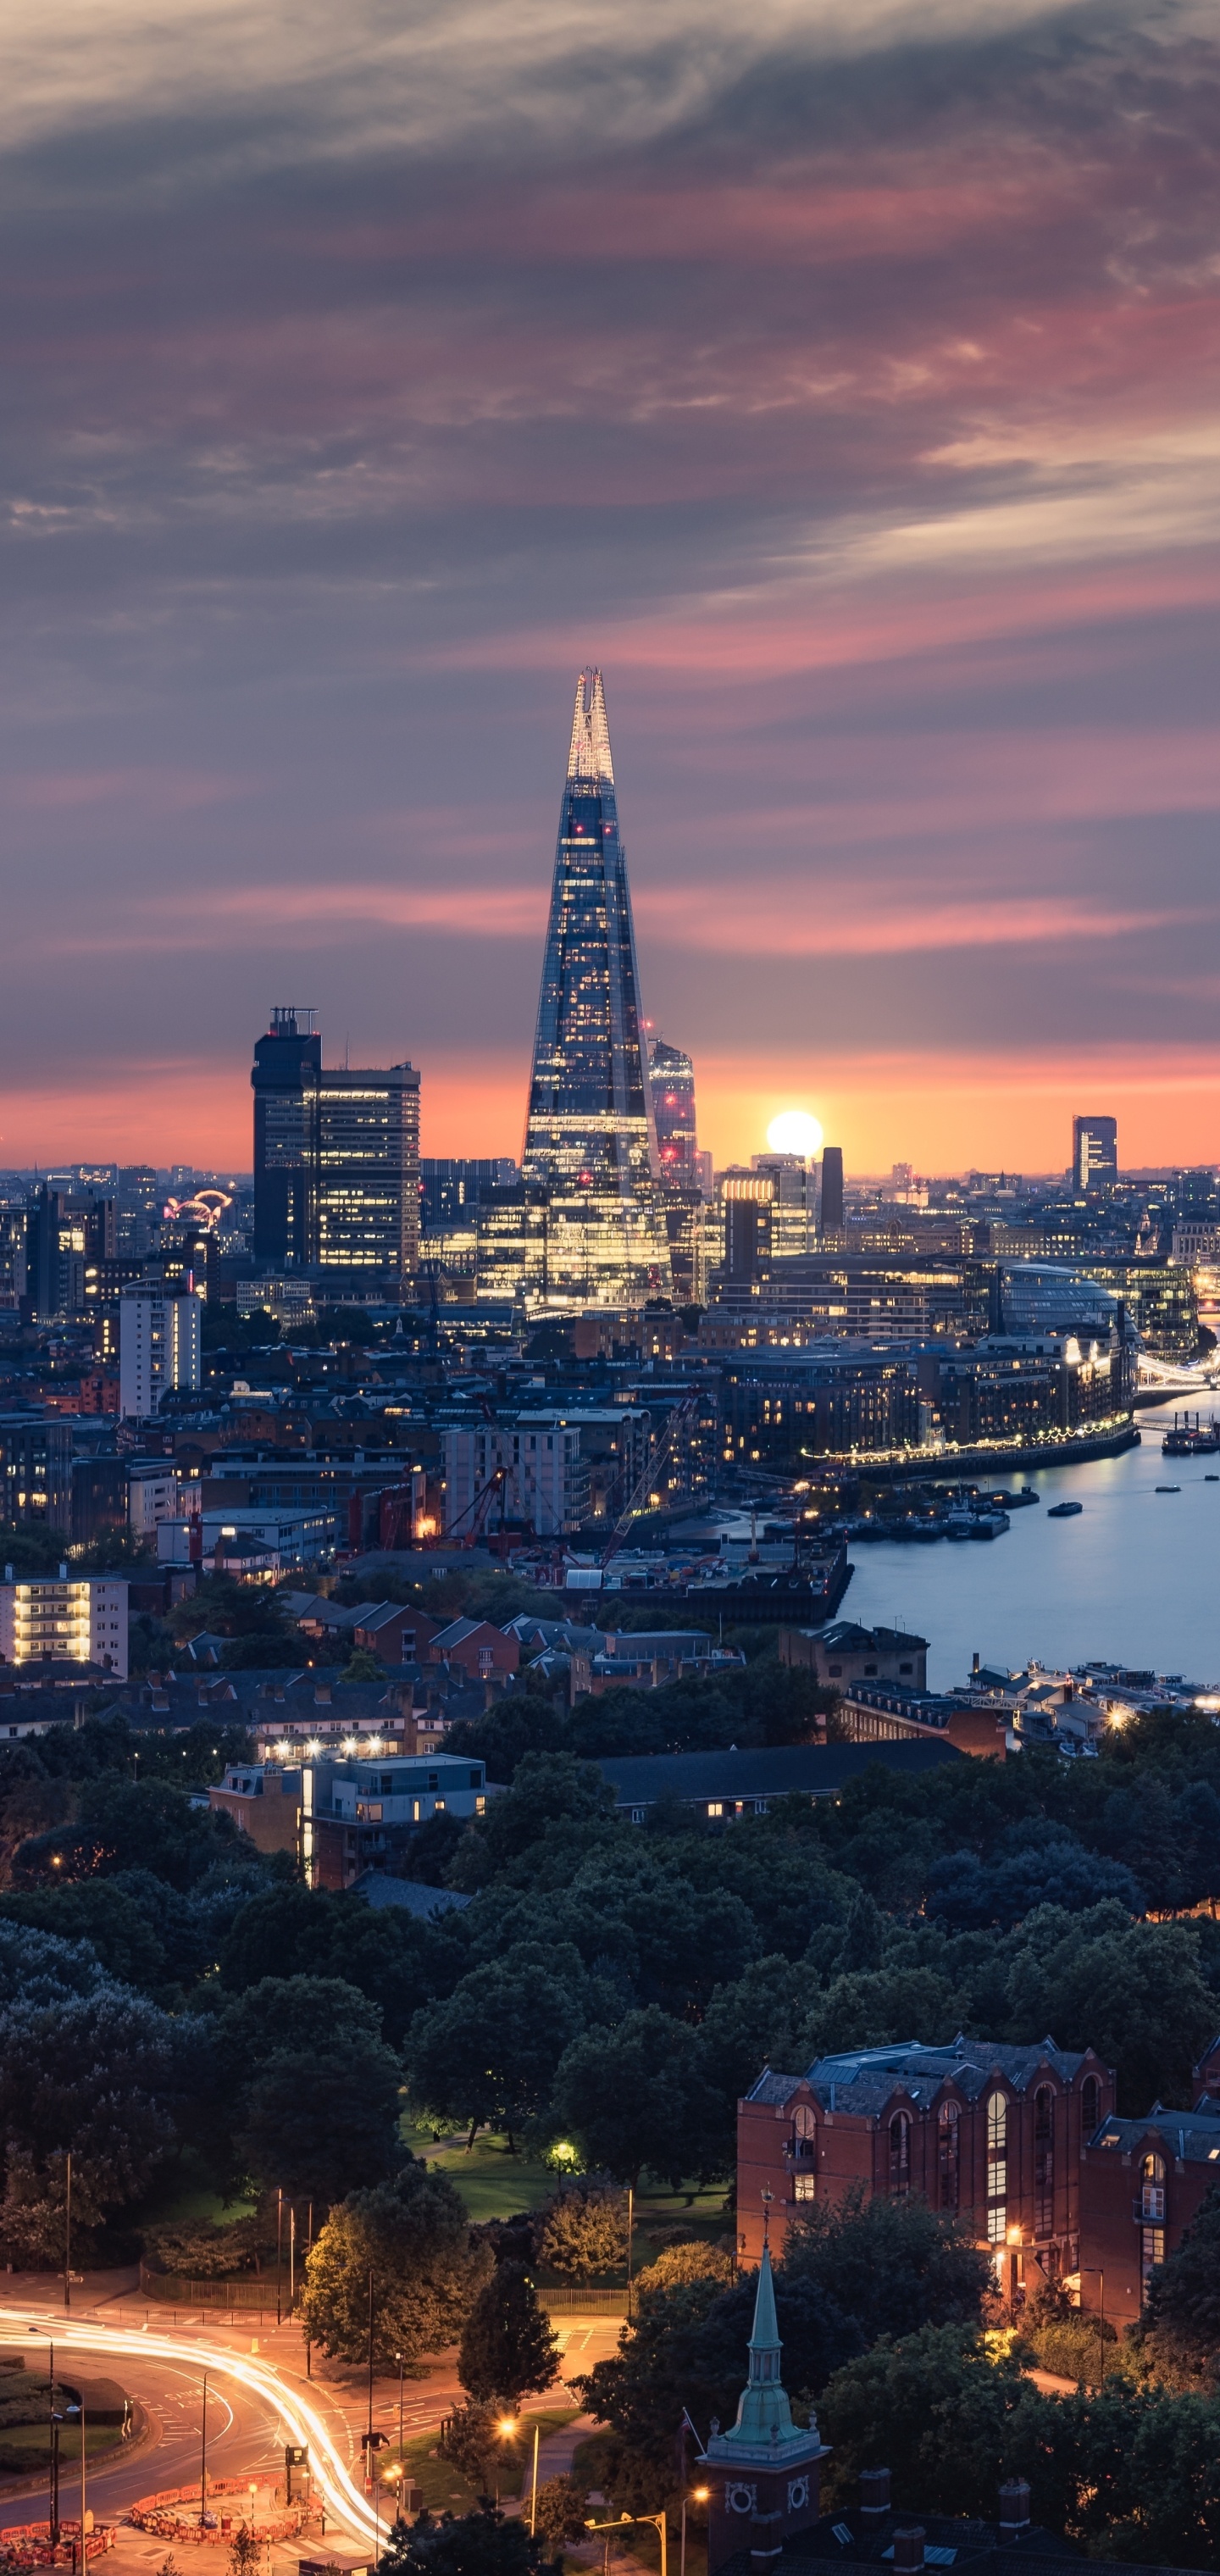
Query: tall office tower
point(672, 1076)
point(792, 1212)
point(287, 1070)
point(596, 1232)
point(336, 1158)
point(367, 1189)
point(832, 1189)
point(1094, 1153)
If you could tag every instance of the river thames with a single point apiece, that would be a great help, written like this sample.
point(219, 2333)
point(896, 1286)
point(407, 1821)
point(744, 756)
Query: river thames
point(1131, 1580)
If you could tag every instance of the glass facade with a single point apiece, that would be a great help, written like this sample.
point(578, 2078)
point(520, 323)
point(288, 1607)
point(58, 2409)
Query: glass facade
point(595, 1233)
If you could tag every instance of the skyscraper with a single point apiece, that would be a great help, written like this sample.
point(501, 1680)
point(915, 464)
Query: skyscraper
point(832, 1189)
point(287, 1070)
point(596, 1233)
point(336, 1160)
point(672, 1077)
point(1094, 1153)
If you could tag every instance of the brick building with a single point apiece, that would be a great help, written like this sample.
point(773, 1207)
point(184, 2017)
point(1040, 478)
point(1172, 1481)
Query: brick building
point(1141, 2183)
point(984, 2132)
point(479, 1650)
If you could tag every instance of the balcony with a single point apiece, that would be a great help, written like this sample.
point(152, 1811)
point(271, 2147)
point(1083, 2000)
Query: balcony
point(800, 2154)
point(1149, 2209)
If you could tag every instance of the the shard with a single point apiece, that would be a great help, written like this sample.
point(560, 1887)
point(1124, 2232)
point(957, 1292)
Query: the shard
point(596, 1229)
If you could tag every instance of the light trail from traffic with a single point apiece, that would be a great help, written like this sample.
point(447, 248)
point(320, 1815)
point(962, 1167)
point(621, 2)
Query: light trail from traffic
point(300, 2420)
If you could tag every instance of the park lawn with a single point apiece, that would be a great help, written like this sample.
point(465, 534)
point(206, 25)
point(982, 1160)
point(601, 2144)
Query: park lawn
point(26, 2448)
point(494, 2182)
point(442, 2485)
point(184, 2190)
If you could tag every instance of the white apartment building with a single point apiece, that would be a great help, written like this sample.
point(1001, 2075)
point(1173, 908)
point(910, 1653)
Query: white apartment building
point(158, 1345)
point(72, 1619)
point(153, 1495)
point(531, 1471)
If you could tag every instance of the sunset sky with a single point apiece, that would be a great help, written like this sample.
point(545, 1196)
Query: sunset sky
point(839, 375)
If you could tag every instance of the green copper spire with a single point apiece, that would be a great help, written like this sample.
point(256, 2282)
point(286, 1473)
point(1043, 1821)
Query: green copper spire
point(764, 2430)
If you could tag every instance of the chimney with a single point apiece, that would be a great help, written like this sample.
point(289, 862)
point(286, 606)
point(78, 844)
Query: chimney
point(1014, 2507)
point(974, 1663)
point(874, 2493)
point(908, 2547)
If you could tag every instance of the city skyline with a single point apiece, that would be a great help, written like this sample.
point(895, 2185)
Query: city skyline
point(842, 386)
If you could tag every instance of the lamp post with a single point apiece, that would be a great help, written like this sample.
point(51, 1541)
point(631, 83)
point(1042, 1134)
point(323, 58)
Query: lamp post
point(630, 2234)
point(369, 2443)
point(203, 2455)
point(68, 2241)
point(279, 2253)
point(697, 2495)
point(400, 2358)
point(534, 2483)
point(55, 2451)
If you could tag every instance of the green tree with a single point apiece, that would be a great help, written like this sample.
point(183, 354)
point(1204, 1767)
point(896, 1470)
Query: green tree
point(507, 2349)
point(695, 2261)
point(90, 2073)
point(585, 2232)
point(413, 2236)
point(362, 1666)
point(546, 1788)
point(561, 2510)
point(121, 1825)
point(1179, 2332)
point(1132, 1991)
point(469, 2544)
point(489, 2052)
point(317, 2121)
point(290, 1931)
point(97, 1911)
point(635, 2096)
point(934, 2411)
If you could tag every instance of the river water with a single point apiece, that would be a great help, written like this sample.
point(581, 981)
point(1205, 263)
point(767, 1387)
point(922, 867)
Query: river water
point(1131, 1580)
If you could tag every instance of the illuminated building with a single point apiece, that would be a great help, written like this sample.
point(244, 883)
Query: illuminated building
point(367, 1188)
point(747, 1199)
point(596, 1234)
point(1094, 1153)
point(36, 1472)
point(792, 1208)
point(159, 1345)
point(63, 1619)
point(672, 1077)
point(336, 1159)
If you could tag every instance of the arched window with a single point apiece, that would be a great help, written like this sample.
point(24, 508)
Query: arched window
point(948, 2153)
point(997, 2168)
point(1044, 2161)
point(1152, 2213)
point(1090, 2105)
point(900, 2153)
point(1152, 2187)
point(804, 2131)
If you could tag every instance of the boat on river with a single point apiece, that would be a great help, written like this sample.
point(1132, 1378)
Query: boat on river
point(1064, 1511)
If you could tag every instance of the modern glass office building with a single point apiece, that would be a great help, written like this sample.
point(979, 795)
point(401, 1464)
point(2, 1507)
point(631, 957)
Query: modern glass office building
point(596, 1232)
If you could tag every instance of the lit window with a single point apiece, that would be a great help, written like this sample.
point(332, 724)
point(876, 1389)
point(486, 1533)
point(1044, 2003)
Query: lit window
point(997, 2167)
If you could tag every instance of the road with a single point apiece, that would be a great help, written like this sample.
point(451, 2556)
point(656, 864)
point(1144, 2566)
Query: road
point(259, 2398)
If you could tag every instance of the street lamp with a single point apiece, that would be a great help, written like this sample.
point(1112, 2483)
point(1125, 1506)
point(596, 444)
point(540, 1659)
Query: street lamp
point(54, 2445)
point(697, 2495)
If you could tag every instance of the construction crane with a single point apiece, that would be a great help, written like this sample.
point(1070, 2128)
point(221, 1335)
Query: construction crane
point(677, 1423)
point(479, 1506)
